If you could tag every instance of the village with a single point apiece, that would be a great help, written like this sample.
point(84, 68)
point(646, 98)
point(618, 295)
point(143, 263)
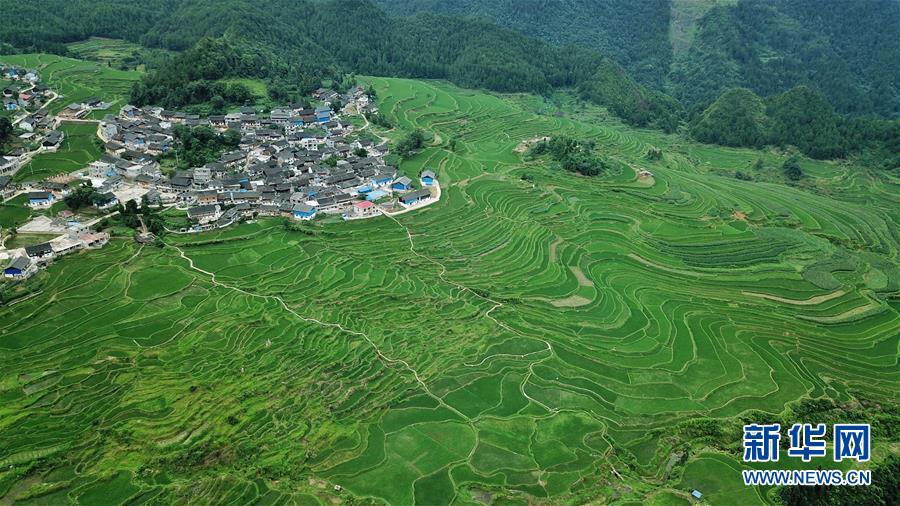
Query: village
point(297, 162)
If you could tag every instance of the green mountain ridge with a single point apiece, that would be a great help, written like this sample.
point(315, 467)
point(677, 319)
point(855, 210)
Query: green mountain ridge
point(848, 51)
point(800, 117)
point(302, 42)
point(633, 34)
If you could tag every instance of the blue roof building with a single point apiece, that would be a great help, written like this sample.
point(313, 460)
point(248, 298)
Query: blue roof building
point(402, 183)
point(40, 199)
point(304, 212)
point(323, 114)
point(18, 268)
point(375, 195)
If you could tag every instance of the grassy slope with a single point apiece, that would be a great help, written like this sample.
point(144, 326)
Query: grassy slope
point(14, 212)
point(77, 150)
point(218, 393)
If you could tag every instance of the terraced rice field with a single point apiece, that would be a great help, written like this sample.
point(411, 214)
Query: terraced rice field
point(77, 80)
point(431, 358)
point(76, 152)
point(110, 52)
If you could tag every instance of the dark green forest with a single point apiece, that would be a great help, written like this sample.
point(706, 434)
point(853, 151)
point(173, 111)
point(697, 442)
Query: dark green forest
point(634, 33)
point(799, 117)
point(302, 42)
point(848, 50)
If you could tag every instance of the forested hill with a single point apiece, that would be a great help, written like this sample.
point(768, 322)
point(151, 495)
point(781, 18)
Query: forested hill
point(849, 50)
point(800, 117)
point(634, 33)
point(300, 41)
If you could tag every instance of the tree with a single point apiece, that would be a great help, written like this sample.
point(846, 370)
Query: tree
point(6, 129)
point(792, 169)
point(885, 489)
point(278, 91)
point(410, 143)
point(83, 196)
point(231, 138)
point(217, 103)
point(572, 155)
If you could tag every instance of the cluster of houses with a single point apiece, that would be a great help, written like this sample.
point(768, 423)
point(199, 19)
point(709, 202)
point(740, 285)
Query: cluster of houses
point(78, 110)
point(294, 161)
point(41, 135)
point(78, 238)
point(27, 96)
point(25, 91)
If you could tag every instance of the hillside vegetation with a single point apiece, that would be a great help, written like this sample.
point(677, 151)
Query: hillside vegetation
point(799, 117)
point(535, 336)
point(848, 51)
point(632, 33)
point(769, 47)
point(302, 42)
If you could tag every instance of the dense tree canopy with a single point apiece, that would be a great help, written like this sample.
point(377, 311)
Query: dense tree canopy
point(799, 117)
point(299, 43)
point(199, 145)
point(572, 155)
point(634, 35)
point(737, 118)
point(6, 129)
point(848, 51)
point(611, 86)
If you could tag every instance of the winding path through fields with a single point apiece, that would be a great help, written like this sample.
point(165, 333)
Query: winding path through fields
point(284, 305)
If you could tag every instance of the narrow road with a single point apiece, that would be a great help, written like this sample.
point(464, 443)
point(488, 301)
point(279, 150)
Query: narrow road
point(367, 125)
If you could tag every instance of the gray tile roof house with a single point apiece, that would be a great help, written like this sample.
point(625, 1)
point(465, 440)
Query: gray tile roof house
point(202, 211)
point(414, 196)
point(39, 250)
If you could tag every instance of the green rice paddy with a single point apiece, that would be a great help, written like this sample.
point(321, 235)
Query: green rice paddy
point(77, 80)
point(520, 341)
point(112, 52)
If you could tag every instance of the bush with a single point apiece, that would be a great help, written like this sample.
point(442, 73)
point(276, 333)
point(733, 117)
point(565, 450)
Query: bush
point(410, 143)
point(572, 155)
point(792, 169)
